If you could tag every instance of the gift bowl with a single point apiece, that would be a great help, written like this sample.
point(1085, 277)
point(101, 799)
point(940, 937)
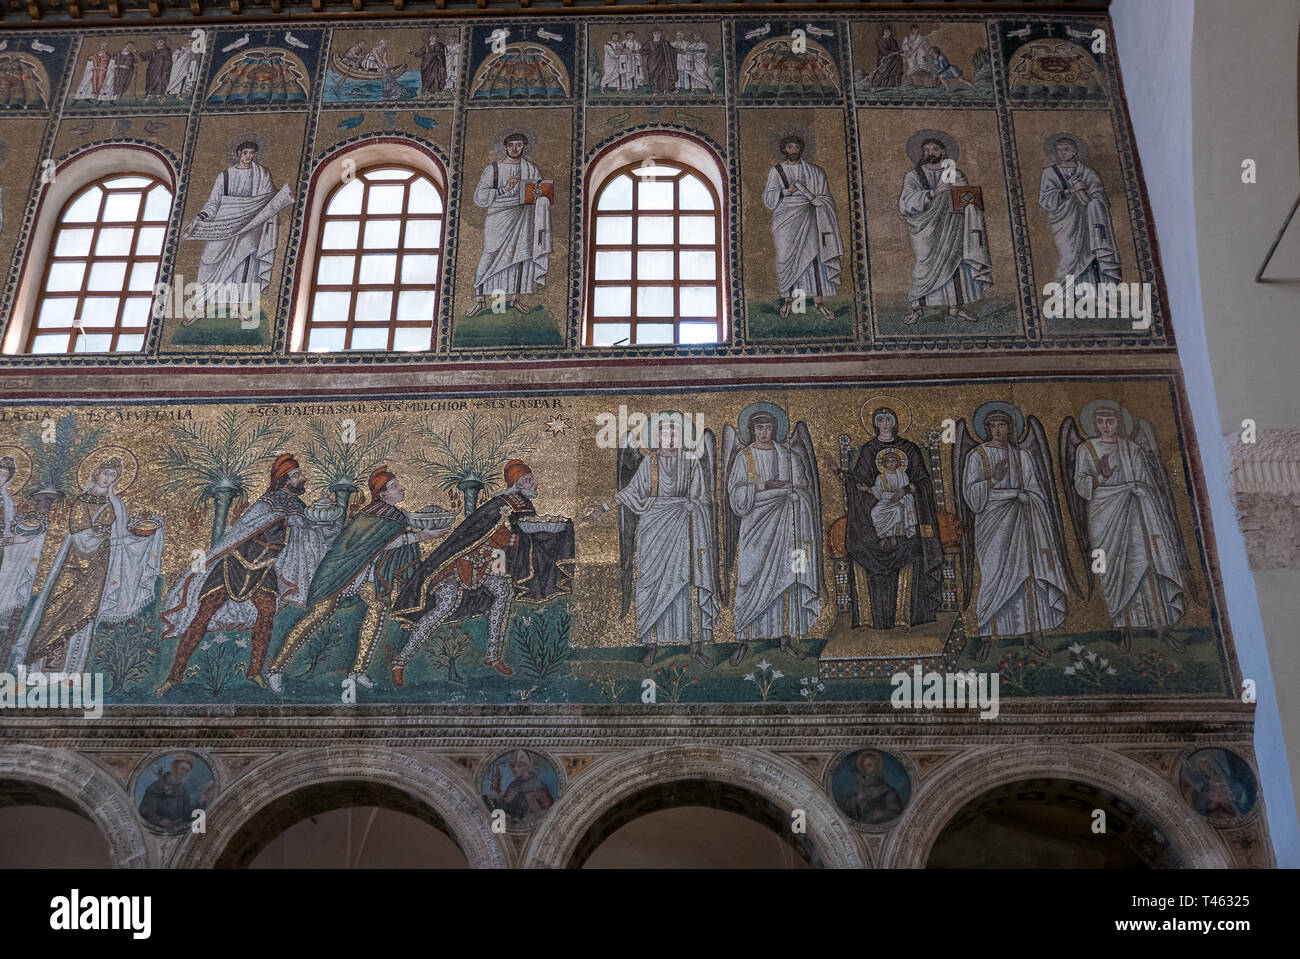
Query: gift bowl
point(324, 510)
point(433, 517)
point(543, 524)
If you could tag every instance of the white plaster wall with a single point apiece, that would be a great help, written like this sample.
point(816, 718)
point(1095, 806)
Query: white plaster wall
point(1154, 43)
point(1244, 106)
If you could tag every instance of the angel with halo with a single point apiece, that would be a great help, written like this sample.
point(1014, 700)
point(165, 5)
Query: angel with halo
point(1011, 527)
point(1122, 507)
point(771, 522)
point(667, 533)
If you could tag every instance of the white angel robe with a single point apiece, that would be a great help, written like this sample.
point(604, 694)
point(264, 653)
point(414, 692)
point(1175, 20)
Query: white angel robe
point(134, 563)
point(676, 549)
point(805, 229)
point(776, 590)
point(238, 224)
point(1022, 580)
point(1129, 519)
point(951, 249)
point(1081, 225)
point(18, 562)
point(516, 235)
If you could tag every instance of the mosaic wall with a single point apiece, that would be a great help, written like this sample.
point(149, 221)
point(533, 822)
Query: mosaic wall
point(950, 478)
point(866, 96)
point(765, 544)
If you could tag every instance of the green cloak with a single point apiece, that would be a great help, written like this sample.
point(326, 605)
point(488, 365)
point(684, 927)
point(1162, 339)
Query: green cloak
point(364, 537)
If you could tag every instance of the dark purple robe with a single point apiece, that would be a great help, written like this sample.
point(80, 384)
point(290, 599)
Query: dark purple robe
point(881, 562)
point(660, 65)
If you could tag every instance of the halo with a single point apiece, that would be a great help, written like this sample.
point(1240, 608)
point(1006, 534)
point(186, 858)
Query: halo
point(901, 410)
point(806, 134)
point(1000, 406)
point(19, 479)
point(263, 148)
point(1049, 145)
point(920, 136)
point(880, 466)
point(782, 421)
point(497, 150)
point(92, 459)
point(1087, 418)
point(651, 427)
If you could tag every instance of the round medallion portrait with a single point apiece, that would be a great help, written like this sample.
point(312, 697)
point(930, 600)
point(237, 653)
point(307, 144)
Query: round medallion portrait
point(1218, 784)
point(521, 783)
point(170, 788)
point(871, 787)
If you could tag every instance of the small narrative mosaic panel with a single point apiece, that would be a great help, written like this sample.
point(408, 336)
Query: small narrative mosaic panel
point(892, 183)
point(779, 543)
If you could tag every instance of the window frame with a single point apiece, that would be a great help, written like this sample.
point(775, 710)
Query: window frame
point(331, 171)
point(130, 259)
point(688, 155)
point(68, 180)
point(355, 288)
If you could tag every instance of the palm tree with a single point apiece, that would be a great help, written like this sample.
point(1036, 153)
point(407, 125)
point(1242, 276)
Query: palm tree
point(218, 462)
point(470, 461)
point(342, 459)
point(56, 454)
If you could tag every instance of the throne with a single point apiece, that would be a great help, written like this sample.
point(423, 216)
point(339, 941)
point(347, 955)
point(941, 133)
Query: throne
point(874, 653)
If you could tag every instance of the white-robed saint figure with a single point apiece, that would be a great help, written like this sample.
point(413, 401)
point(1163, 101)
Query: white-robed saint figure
point(516, 229)
point(238, 224)
point(1012, 528)
point(21, 540)
point(1074, 199)
point(631, 63)
point(609, 64)
point(105, 571)
point(1122, 504)
point(771, 529)
point(949, 238)
point(185, 71)
point(668, 543)
point(805, 229)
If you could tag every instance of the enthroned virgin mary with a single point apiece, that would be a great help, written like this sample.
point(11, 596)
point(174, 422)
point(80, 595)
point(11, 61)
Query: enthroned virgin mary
point(896, 581)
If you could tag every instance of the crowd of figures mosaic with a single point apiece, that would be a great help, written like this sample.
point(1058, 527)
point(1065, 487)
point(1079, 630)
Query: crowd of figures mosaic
point(881, 183)
point(786, 544)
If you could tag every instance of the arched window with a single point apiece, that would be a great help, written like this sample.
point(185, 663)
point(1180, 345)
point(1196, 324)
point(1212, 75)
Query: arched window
point(378, 263)
point(103, 261)
point(655, 266)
